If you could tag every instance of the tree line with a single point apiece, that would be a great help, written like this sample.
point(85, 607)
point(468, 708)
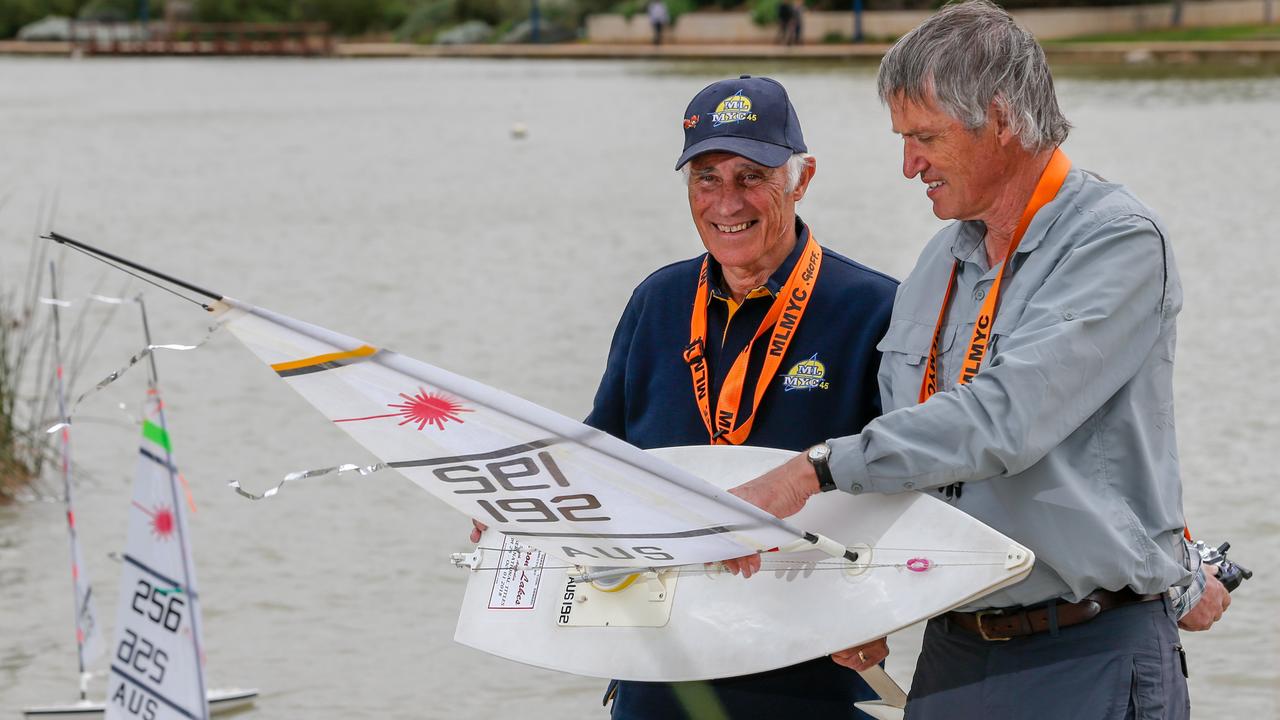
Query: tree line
point(419, 20)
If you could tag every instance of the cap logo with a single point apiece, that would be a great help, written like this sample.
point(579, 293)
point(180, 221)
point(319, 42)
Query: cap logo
point(691, 122)
point(733, 109)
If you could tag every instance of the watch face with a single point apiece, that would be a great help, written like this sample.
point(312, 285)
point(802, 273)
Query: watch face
point(818, 453)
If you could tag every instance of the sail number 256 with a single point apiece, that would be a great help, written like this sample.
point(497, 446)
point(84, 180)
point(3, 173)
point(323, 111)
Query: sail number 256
point(160, 606)
point(517, 475)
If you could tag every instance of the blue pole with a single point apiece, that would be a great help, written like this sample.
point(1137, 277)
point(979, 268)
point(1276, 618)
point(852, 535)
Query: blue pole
point(534, 22)
point(857, 20)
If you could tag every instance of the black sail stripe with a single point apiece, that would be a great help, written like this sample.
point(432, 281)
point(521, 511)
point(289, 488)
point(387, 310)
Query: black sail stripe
point(492, 455)
point(156, 459)
point(151, 571)
point(152, 691)
point(318, 367)
point(702, 532)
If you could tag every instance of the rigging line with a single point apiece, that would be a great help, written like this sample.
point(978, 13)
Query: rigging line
point(791, 566)
point(101, 254)
point(832, 564)
point(771, 556)
point(941, 550)
point(80, 352)
point(127, 271)
point(146, 352)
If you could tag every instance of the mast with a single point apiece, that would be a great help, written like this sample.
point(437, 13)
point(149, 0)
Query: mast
point(153, 379)
point(85, 636)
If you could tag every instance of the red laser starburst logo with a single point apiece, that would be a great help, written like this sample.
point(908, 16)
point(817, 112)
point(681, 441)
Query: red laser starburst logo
point(422, 409)
point(162, 521)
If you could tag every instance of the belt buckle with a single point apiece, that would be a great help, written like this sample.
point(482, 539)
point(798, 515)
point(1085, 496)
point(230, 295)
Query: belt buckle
point(983, 631)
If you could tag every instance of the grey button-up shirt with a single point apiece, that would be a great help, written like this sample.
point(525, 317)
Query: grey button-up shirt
point(1065, 438)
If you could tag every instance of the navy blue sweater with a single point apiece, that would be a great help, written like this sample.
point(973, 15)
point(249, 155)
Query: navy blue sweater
point(646, 395)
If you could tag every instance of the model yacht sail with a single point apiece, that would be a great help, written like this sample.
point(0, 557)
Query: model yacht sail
point(157, 669)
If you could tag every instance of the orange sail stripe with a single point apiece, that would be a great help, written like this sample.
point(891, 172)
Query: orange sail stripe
point(360, 352)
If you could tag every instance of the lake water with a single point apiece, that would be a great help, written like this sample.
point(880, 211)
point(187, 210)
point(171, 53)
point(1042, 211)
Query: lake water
point(389, 200)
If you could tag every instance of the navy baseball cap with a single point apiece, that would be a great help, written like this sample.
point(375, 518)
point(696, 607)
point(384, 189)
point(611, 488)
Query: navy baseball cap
point(749, 116)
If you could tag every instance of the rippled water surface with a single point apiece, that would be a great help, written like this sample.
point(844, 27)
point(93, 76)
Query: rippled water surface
point(389, 200)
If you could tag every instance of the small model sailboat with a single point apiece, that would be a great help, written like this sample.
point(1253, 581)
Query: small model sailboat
point(157, 667)
point(88, 634)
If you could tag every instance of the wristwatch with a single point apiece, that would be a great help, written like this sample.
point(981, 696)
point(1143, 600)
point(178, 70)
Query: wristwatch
point(819, 456)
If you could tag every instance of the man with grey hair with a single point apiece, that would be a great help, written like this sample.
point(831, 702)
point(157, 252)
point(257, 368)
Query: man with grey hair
point(1027, 379)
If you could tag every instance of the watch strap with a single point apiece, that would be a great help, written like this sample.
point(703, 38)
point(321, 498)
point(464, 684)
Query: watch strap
point(822, 467)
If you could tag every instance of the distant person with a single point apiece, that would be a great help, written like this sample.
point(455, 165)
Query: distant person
point(746, 166)
point(659, 18)
point(1027, 378)
point(796, 36)
point(785, 15)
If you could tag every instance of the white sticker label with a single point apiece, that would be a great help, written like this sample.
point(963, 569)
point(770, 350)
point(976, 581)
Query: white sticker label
point(515, 584)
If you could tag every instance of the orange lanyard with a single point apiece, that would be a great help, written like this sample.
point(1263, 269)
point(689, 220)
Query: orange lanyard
point(1046, 189)
point(783, 316)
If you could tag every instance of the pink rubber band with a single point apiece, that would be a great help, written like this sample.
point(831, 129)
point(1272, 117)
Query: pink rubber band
point(919, 564)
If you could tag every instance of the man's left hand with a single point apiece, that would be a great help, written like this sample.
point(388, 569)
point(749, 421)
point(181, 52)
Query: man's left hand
point(781, 492)
point(1212, 604)
point(862, 657)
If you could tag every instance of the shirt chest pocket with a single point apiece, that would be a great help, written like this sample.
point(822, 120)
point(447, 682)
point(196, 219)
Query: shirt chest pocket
point(908, 343)
point(1008, 318)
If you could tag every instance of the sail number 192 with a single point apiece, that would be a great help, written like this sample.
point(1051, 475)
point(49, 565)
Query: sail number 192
point(522, 474)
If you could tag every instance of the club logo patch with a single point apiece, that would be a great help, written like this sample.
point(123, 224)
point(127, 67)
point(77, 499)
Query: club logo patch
point(735, 108)
point(808, 374)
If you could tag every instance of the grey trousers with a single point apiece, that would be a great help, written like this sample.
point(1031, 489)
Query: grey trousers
point(1125, 663)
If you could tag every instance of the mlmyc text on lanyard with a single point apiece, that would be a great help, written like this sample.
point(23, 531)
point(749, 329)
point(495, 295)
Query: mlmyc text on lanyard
point(784, 319)
point(1046, 189)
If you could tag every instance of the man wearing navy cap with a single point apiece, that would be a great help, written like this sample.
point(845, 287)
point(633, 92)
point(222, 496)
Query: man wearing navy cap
point(767, 339)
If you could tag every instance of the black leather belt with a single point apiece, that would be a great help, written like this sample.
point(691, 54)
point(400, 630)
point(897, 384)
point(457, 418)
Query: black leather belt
point(1009, 623)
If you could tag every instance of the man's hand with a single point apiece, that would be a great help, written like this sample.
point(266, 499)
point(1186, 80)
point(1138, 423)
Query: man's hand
point(862, 657)
point(782, 492)
point(477, 528)
point(1211, 605)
